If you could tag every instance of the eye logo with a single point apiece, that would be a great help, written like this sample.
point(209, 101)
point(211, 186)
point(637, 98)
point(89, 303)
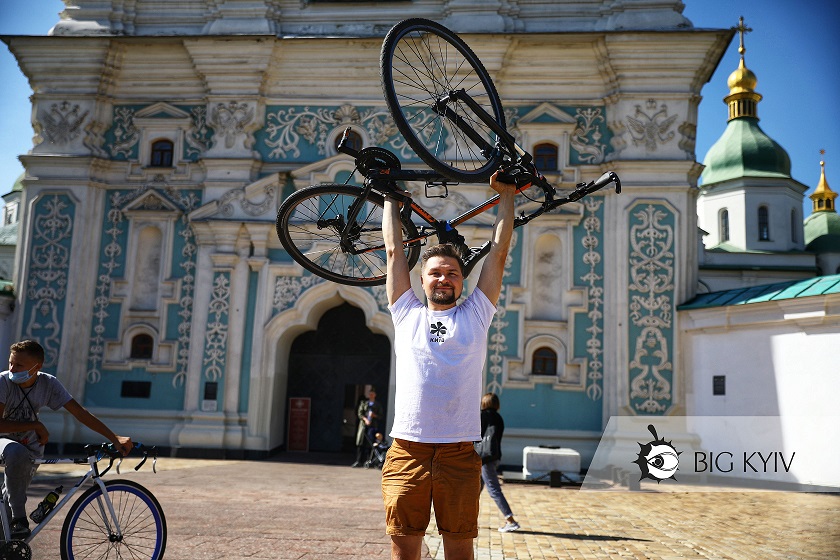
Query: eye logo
point(658, 459)
point(438, 329)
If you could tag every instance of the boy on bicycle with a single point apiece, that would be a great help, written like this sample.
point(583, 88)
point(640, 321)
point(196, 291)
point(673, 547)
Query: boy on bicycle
point(24, 390)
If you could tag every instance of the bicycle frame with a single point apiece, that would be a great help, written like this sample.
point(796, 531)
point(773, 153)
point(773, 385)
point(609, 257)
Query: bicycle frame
point(381, 180)
point(106, 509)
point(91, 474)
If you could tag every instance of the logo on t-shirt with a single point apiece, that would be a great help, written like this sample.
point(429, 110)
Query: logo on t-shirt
point(437, 331)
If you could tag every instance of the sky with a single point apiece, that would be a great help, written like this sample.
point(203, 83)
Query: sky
point(794, 50)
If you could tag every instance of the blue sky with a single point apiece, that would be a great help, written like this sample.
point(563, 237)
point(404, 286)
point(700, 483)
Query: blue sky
point(794, 51)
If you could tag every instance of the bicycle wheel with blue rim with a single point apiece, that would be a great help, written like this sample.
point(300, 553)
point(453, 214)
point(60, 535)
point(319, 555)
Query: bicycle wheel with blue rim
point(89, 531)
point(421, 63)
point(315, 227)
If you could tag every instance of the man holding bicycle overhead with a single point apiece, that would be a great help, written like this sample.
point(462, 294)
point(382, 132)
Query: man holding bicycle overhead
point(24, 390)
point(440, 349)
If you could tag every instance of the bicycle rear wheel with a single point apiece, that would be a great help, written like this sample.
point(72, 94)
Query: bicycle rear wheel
point(89, 531)
point(310, 224)
point(421, 63)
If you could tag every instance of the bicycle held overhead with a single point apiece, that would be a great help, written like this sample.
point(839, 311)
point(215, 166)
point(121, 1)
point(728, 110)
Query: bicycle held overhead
point(447, 109)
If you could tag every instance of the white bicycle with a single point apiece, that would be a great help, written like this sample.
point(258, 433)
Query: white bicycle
point(114, 519)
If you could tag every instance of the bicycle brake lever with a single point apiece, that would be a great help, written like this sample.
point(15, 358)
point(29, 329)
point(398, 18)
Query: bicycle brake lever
point(119, 462)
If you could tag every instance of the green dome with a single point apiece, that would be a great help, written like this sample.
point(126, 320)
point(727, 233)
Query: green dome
point(18, 186)
point(744, 150)
point(822, 232)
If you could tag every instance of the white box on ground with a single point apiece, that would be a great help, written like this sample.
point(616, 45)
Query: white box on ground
point(539, 461)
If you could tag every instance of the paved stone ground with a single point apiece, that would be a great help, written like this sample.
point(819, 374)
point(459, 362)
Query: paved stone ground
point(288, 509)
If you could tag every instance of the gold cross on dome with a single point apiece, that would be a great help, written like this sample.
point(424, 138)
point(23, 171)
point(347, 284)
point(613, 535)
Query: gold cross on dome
point(742, 30)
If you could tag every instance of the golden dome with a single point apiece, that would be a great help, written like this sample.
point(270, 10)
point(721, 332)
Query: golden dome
point(742, 80)
point(823, 196)
point(742, 99)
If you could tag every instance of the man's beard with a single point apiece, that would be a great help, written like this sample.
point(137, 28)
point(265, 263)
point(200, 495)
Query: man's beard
point(443, 297)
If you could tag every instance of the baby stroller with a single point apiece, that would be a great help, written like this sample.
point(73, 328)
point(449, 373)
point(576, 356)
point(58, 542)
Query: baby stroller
point(378, 449)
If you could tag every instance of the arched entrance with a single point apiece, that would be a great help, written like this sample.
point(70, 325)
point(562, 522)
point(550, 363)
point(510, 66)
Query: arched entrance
point(332, 365)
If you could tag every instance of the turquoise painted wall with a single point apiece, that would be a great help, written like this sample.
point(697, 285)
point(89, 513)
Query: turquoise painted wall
point(104, 385)
point(544, 405)
point(545, 408)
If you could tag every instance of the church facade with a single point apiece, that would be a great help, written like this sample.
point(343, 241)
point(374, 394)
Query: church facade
point(149, 268)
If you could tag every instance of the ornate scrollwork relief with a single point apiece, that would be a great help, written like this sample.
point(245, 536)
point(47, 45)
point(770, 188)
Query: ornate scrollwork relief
point(651, 296)
point(287, 127)
point(586, 138)
point(595, 297)
point(287, 290)
point(126, 135)
point(216, 334)
point(250, 208)
point(199, 136)
point(48, 274)
point(496, 345)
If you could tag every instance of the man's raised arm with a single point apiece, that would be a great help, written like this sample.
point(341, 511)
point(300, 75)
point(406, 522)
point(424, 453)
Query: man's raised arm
point(492, 270)
point(398, 280)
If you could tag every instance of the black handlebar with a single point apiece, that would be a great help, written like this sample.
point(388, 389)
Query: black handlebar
point(99, 452)
point(606, 179)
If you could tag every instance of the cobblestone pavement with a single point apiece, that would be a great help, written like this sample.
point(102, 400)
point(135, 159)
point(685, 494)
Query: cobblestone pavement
point(288, 509)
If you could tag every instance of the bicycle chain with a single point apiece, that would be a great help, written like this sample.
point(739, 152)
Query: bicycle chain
point(15, 550)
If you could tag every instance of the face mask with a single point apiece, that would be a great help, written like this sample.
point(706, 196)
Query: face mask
point(20, 376)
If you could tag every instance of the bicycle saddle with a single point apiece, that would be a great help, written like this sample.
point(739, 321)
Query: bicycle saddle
point(376, 159)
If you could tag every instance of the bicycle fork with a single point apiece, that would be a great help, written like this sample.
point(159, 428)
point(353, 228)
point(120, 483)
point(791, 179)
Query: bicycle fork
point(108, 513)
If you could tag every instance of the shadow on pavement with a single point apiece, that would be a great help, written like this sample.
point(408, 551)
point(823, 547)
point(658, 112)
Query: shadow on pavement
point(582, 537)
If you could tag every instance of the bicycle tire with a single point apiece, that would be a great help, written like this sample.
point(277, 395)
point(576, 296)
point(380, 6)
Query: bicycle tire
point(308, 224)
point(420, 62)
point(85, 535)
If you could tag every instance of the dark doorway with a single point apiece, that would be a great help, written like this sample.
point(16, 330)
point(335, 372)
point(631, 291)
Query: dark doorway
point(333, 365)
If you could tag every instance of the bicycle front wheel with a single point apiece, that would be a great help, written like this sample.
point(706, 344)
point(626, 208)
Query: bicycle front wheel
point(90, 532)
point(421, 63)
point(316, 228)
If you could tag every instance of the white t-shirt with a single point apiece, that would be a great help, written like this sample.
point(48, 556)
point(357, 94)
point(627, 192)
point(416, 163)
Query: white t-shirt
point(440, 368)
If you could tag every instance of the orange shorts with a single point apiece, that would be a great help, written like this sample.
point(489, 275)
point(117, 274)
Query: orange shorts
point(416, 476)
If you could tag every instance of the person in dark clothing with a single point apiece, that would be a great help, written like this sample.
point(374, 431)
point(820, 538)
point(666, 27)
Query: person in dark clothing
point(370, 415)
point(489, 471)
